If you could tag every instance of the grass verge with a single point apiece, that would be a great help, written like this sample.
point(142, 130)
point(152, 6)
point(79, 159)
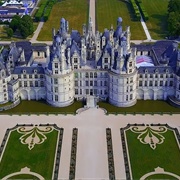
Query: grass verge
point(142, 106)
point(157, 12)
point(107, 12)
point(41, 107)
point(74, 11)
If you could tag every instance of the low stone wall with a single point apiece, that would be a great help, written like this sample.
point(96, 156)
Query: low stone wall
point(14, 104)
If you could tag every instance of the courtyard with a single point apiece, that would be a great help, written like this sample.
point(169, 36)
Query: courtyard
point(91, 157)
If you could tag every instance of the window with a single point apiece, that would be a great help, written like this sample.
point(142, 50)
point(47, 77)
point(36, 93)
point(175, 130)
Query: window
point(25, 83)
point(126, 97)
point(87, 91)
point(161, 83)
point(41, 76)
point(56, 97)
point(91, 83)
point(38, 53)
point(91, 75)
point(55, 81)
point(31, 83)
point(87, 83)
point(130, 64)
point(36, 83)
point(36, 76)
point(105, 60)
point(106, 67)
point(131, 88)
point(101, 83)
point(76, 91)
point(75, 66)
point(140, 83)
point(20, 84)
point(56, 65)
point(30, 76)
point(131, 79)
point(131, 96)
point(150, 83)
point(95, 75)
point(156, 83)
point(56, 71)
point(140, 76)
point(87, 75)
point(151, 75)
point(75, 60)
point(42, 83)
point(24, 76)
point(19, 75)
point(76, 83)
point(145, 83)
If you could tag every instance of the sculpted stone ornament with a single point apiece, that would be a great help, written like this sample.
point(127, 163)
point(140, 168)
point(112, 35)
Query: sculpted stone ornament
point(33, 135)
point(150, 135)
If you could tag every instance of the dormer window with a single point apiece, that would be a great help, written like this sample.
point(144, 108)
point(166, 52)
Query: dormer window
point(146, 71)
point(167, 71)
point(75, 60)
point(156, 71)
point(24, 71)
point(35, 71)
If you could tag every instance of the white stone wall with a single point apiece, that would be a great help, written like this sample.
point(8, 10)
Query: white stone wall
point(60, 89)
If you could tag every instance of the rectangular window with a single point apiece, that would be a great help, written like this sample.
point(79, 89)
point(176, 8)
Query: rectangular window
point(36, 76)
point(140, 83)
point(41, 76)
point(171, 83)
point(75, 60)
point(131, 96)
point(56, 97)
point(87, 91)
point(161, 83)
point(76, 91)
point(56, 65)
point(42, 83)
point(36, 83)
point(91, 83)
point(87, 83)
point(55, 81)
point(76, 83)
point(31, 83)
point(24, 76)
point(56, 71)
point(105, 60)
point(25, 83)
point(30, 76)
point(150, 83)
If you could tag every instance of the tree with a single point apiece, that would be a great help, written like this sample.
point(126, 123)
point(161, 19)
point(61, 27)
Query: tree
point(15, 23)
point(174, 18)
point(9, 32)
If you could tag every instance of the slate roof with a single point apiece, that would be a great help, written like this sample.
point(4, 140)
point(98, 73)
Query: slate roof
point(29, 70)
point(152, 69)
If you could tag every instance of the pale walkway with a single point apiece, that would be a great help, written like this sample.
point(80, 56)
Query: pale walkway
point(92, 14)
point(91, 146)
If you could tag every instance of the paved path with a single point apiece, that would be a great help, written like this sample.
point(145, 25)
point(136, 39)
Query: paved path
point(92, 14)
point(91, 146)
point(36, 33)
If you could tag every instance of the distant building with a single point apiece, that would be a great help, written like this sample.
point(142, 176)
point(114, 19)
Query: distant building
point(102, 65)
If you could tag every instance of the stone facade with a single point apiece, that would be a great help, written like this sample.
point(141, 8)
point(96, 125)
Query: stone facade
point(103, 65)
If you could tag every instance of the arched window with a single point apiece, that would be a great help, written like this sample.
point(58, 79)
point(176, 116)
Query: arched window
point(91, 75)
point(87, 75)
point(95, 75)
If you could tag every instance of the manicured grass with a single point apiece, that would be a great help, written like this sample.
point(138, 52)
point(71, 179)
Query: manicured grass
point(157, 23)
point(142, 106)
point(40, 159)
point(6, 104)
point(24, 176)
point(144, 159)
point(107, 12)
point(40, 107)
point(161, 176)
point(74, 11)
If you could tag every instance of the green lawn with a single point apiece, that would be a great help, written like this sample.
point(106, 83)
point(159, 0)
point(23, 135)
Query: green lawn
point(157, 23)
point(24, 176)
point(40, 159)
point(41, 107)
point(142, 106)
point(107, 12)
point(161, 176)
point(75, 11)
point(144, 159)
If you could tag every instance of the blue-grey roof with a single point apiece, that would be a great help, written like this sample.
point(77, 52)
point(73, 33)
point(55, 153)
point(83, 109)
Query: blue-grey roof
point(152, 69)
point(29, 70)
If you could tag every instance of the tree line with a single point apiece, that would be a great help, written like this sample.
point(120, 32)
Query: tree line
point(174, 18)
